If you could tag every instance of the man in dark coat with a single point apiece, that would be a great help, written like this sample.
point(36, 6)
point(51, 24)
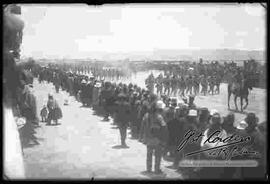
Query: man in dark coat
point(83, 94)
point(155, 133)
point(55, 111)
point(106, 96)
point(27, 104)
point(122, 117)
point(191, 103)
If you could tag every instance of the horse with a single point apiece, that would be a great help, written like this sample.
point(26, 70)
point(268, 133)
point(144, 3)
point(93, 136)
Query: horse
point(239, 90)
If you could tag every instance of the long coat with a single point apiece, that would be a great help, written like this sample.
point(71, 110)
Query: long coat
point(28, 105)
point(154, 130)
point(55, 111)
point(122, 114)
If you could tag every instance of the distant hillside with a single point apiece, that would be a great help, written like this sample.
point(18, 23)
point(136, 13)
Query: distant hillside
point(173, 54)
point(208, 54)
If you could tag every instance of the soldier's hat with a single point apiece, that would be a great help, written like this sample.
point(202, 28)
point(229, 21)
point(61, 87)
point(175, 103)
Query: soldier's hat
point(98, 85)
point(160, 104)
point(242, 125)
point(204, 109)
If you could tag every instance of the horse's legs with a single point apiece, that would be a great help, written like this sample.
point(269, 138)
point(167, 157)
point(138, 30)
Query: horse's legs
point(246, 98)
point(229, 96)
point(241, 102)
point(235, 102)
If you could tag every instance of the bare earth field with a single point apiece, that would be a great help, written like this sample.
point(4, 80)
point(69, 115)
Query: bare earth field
point(82, 146)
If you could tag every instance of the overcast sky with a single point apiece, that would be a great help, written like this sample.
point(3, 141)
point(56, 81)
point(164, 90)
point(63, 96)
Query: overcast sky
point(78, 30)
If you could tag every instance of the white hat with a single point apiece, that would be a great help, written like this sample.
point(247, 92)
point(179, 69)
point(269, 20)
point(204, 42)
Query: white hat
point(98, 85)
point(192, 112)
point(160, 104)
point(242, 125)
point(213, 111)
point(83, 81)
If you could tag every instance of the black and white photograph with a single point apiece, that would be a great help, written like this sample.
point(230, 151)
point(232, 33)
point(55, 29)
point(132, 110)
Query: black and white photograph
point(157, 91)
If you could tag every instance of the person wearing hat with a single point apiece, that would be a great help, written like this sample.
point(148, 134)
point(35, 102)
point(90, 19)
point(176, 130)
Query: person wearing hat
point(255, 144)
point(44, 113)
point(28, 109)
point(196, 84)
point(215, 125)
point(259, 146)
point(211, 83)
point(159, 85)
point(228, 123)
point(70, 85)
point(55, 111)
point(178, 132)
point(96, 94)
point(56, 82)
point(143, 109)
point(122, 117)
point(107, 100)
point(134, 114)
point(189, 83)
point(166, 84)
point(191, 124)
point(203, 118)
point(170, 119)
point(181, 86)
point(83, 94)
point(155, 135)
point(204, 85)
point(212, 112)
point(191, 104)
point(89, 89)
point(27, 102)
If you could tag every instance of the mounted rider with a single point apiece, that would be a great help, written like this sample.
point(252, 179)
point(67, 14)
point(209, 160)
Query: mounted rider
point(159, 85)
point(237, 79)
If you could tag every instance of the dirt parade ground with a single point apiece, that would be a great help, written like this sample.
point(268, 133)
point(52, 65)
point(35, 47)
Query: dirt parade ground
point(134, 92)
point(85, 147)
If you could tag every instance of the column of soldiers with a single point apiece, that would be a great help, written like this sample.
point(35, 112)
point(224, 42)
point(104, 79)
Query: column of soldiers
point(181, 85)
point(198, 78)
point(159, 122)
